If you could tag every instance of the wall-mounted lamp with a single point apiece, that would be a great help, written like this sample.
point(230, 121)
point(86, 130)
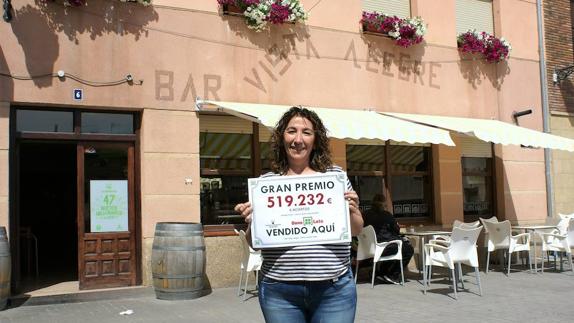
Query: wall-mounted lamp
point(518, 114)
point(561, 74)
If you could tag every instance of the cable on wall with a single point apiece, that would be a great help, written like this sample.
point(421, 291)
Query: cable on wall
point(62, 75)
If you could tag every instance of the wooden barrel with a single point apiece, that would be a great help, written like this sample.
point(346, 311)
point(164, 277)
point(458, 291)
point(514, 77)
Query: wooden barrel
point(178, 261)
point(5, 268)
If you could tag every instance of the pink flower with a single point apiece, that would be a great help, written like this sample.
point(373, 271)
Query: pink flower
point(279, 13)
point(76, 3)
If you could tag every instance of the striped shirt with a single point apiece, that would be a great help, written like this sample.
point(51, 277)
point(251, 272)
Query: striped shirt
point(317, 262)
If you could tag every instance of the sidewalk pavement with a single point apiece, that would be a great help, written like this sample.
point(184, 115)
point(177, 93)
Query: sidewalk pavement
point(521, 297)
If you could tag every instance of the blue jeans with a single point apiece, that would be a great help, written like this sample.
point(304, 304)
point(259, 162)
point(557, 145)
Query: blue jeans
point(332, 301)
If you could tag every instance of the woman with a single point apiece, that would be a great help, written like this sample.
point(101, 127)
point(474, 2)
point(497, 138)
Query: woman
point(306, 283)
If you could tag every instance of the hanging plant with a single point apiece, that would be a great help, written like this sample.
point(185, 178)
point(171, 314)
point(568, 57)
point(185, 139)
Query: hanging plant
point(258, 13)
point(492, 49)
point(406, 32)
point(78, 3)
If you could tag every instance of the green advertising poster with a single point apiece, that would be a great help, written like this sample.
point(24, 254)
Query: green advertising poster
point(108, 206)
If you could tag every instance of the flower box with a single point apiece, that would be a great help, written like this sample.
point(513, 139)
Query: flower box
point(79, 3)
point(489, 47)
point(231, 9)
point(368, 28)
point(406, 32)
point(259, 13)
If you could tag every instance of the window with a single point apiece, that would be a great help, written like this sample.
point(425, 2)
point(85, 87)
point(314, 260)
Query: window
point(411, 183)
point(477, 187)
point(48, 122)
point(400, 8)
point(474, 14)
point(365, 169)
point(225, 160)
point(44, 121)
point(477, 178)
point(109, 123)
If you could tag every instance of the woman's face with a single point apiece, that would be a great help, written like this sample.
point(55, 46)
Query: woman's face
point(298, 138)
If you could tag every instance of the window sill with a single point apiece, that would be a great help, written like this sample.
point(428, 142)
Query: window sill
point(223, 230)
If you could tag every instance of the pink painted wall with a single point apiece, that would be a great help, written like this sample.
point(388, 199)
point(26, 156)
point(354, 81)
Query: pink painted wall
point(183, 49)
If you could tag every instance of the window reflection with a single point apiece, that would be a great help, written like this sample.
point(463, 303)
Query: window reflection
point(44, 121)
point(409, 159)
point(365, 158)
point(110, 123)
point(365, 168)
point(367, 187)
point(225, 167)
point(477, 187)
point(411, 181)
point(219, 195)
point(411, 195)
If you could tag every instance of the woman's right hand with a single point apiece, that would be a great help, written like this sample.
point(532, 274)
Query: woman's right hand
point(245, 210)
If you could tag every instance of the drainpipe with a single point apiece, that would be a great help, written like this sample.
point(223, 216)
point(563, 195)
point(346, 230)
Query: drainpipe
point(545, 112)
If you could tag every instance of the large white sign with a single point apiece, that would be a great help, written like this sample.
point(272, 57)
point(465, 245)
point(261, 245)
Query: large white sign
point(108, 206)
point(299, 210)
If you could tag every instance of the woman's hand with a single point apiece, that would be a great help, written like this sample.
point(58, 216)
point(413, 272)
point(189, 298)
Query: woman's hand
point(354, 212)
point(353, 199)
point(245, 210)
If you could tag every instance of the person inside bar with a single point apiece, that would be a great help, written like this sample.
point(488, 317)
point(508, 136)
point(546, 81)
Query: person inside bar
point(387, 229)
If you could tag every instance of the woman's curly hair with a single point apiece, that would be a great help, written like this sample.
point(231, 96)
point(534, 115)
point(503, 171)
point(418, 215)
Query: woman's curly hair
point(320, 158)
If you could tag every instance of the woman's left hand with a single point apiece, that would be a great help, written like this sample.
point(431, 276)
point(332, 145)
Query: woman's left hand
point(353, 199)
point(354, 212)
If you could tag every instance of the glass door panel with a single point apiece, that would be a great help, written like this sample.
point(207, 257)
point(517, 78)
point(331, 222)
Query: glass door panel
point(106, 189)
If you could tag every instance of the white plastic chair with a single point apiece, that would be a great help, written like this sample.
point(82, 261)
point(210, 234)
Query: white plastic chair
point(369, 248)
point(461, 250)
point(251, 261)
point(445, 240)
point(482, 220)
point(570, 234)
point(500, 237)
point(558, 240)
point(465, 225)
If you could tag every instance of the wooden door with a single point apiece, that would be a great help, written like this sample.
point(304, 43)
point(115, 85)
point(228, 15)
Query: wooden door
point(106, 215)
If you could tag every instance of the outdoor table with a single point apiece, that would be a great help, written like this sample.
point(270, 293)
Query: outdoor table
point(422, 235)
point(533, 228)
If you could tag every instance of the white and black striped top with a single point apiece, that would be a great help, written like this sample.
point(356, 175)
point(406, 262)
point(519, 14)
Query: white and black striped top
point(317, 262)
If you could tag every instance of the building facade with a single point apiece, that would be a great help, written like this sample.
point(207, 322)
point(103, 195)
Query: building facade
point(558, 16)
point(100, 100)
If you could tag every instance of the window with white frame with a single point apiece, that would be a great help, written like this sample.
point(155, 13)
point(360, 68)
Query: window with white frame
point(474, 15)
point(399, 8)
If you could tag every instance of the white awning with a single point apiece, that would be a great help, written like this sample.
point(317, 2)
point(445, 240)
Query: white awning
point(343, 123)
point(494, 131)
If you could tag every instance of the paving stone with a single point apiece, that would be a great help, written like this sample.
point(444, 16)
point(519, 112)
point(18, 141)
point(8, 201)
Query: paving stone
point(521, 297)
